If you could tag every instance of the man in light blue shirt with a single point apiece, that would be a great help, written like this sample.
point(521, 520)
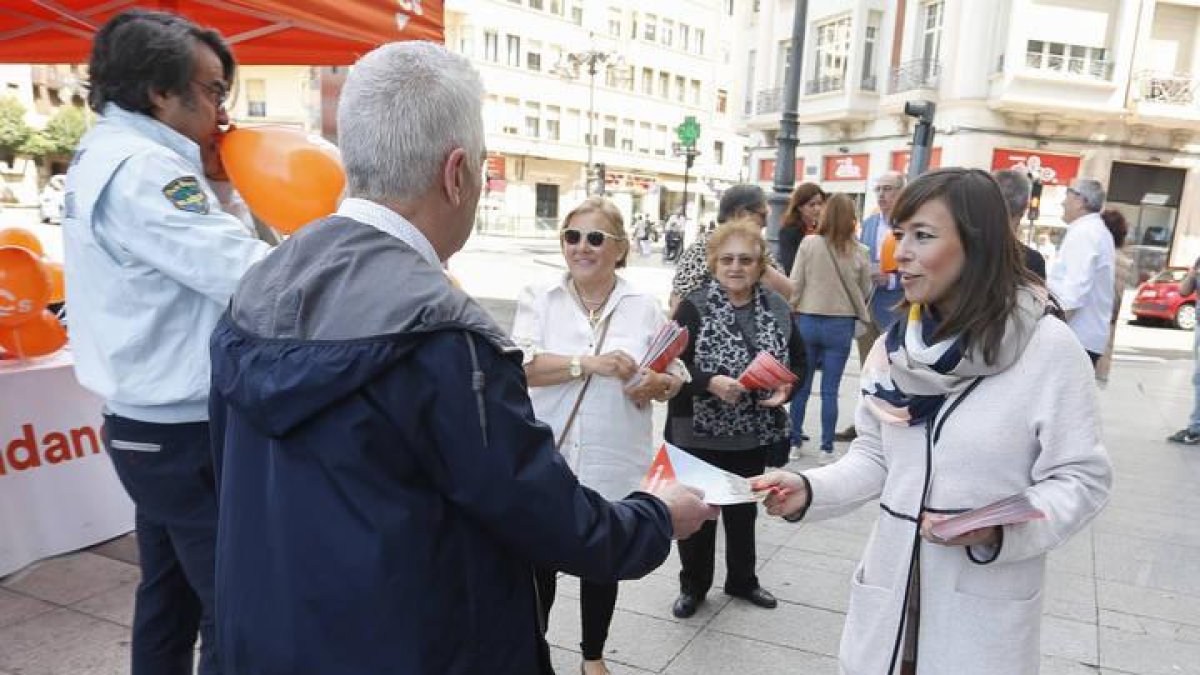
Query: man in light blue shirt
point(152, 258)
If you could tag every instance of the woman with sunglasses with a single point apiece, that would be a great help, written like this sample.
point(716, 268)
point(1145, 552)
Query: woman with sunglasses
point(582, 336)
point(731, 317)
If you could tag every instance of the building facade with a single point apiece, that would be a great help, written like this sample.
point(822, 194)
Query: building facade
point(546, 113)
point(1103, 89)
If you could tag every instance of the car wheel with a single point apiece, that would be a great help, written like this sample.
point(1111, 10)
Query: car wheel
point(1185, 317)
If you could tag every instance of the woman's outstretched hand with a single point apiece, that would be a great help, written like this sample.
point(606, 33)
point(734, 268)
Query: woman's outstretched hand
point(786, 492)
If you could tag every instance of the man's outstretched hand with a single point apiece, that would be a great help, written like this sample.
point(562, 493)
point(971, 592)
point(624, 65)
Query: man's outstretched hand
point(686, 504)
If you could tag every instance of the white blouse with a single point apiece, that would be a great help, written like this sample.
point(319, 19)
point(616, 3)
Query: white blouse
point(609, 444)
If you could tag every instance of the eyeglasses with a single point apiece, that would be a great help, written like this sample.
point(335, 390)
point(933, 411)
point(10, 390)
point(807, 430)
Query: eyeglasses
point(219, 91)
point(595, 238)
point(743, 260)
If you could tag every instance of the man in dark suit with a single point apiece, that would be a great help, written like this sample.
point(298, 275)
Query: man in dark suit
point(1015, 186)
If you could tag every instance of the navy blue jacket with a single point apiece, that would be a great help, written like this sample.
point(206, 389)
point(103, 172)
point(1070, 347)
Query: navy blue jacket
point(385, 489)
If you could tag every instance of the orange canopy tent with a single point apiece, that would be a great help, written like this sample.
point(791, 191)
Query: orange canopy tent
point(261, 32)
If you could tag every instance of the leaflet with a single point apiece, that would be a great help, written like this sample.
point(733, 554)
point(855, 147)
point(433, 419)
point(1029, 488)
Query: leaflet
point(1008, 511)
point(720, 487)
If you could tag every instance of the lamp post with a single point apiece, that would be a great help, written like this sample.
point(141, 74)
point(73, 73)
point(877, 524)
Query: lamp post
point(593, 60)
point(785, 162)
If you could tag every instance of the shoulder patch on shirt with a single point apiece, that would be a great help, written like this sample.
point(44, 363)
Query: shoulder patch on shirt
point(186, 194)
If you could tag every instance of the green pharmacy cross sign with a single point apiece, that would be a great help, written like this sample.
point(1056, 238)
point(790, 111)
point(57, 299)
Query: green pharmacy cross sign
point(688, 132)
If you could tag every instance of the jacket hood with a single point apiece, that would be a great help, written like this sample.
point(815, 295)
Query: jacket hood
point(324, 313)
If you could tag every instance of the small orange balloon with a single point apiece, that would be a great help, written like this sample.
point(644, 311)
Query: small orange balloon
point(17, 236)
point(24, 285)
point(887, 257)
point(58, 284)
point(287, 177)
point(39, 336)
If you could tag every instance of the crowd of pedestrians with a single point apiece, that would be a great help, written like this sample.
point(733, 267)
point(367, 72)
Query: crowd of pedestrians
point(333, 476)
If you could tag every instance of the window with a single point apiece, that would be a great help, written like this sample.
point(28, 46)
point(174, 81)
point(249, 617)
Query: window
point(698, 43)
point(513, 54)
point(491, 46)
point(576, 12)
point(547, 200)
point(633, 26)
point(466, 47)
point(729, 7)
point(556, 7)
point(553, 113)
point(644, 138)
point(610, 132)
point(931, 40)
point(662, 142)
point(612, 76)
point(685, 36)
point(696, 92)
point(664, 85)
point(680, 88)
point(870, 44)
point(650, 28)
point(1075, 60)
point(647, 81)
point(627, 135)
point(573, 131)
point(722, 101)
point(748, 104)
point(533, 58)
point(614, 22)
point(256, 98)
point(668, 32)
point(784, 63)
point(719, 152)
point(833, 51)
point(511, 113)
point(535, 4)
point(533, 120)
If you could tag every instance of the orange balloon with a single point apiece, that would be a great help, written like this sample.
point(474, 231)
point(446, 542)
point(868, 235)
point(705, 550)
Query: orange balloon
point(17, 236)
point(58, 284)
point(887, 257)
point(39, 336)
point(24, 285)
point(287, 177)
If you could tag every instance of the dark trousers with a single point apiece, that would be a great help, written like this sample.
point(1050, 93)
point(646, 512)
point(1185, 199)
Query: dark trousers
point(596, 605)
point(697, 552)
point(167, 469)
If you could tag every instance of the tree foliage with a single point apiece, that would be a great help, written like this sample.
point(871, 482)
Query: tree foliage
point(14, 132)
point(61, 135)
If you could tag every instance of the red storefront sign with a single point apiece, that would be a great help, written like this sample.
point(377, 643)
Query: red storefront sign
point(900, 160)
point(766, 170)
point(847, 167)
point(1054, 169)
point(495, 173)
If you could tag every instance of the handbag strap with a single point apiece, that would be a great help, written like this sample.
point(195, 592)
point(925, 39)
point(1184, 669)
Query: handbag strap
point(586, 383)
point(837, 269)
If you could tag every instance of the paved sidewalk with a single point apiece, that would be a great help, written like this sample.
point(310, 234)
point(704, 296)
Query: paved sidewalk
point(1122, 597)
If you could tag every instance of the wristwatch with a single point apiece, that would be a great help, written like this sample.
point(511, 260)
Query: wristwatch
point(576, 368)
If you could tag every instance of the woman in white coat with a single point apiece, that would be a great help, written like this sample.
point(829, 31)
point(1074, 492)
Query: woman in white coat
point(981, 393)
point(582, 336)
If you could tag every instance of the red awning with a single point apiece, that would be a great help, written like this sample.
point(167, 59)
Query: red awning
point(261, 32)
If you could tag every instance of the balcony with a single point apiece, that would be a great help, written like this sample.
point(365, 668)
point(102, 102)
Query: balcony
point(1069, 66)
point(916, 74)
point(768, 101)
point(824, 85)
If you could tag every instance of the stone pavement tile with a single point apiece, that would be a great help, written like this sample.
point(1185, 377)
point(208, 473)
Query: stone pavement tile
point(1148, 602)
point(833, 542)
point(788, 625)
point(62, 642)
point(797, 582)
point(715, 653)
point(1175, 529)
point(1147, 654)
point(633, 639)
point(1069, 640)
point(653, 596)
point(1076, 556)
point(1141, 625)
point(1070, 596)
point(70, 578)
point(123, 548)
point(1149, 563)
point(566, 662)
point(15, 607)
point(115, 605)
point(1052, 665)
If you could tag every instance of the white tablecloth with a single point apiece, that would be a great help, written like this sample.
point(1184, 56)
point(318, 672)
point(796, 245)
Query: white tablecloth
point(58, 489)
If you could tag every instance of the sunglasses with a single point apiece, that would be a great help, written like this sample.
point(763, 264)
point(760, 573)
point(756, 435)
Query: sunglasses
point(595, 238)
point(744, 260)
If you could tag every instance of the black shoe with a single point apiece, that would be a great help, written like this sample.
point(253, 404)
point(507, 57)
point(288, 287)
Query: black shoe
point(686, 605)
point(758, 596)
point(846, 435)
point(1185, 436)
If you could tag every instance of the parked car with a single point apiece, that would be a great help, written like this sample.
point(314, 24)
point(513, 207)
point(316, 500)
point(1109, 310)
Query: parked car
point(1158, 300)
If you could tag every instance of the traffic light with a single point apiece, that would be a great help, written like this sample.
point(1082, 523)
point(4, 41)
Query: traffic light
point(1035, 200)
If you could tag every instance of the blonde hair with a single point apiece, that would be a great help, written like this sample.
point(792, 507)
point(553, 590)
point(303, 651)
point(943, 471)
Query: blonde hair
point(745, 227)
point(612, 218)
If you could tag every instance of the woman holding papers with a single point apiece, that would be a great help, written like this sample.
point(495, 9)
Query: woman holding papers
point(981, 393)
point(733, 318)
point(581, 335)
point(832, 281)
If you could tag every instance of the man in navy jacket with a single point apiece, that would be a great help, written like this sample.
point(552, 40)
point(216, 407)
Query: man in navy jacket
point(385, 489)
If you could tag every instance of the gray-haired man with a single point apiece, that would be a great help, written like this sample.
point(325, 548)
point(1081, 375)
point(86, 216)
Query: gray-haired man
point(1082, 277)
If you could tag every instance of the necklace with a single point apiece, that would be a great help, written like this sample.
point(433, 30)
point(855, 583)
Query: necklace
point(592, 307)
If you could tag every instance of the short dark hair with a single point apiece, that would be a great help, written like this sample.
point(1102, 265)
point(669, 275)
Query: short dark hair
point(741, 198)
point(994, 269)
point(1117, 226)
point(138, 52)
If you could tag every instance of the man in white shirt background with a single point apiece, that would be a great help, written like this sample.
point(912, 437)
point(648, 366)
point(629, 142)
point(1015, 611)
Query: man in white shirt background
point(1082, 276)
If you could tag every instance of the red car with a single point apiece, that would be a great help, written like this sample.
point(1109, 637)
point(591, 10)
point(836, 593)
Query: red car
point(1158, 299)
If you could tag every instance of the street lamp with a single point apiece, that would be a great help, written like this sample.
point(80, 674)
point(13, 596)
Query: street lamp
point(593, 60)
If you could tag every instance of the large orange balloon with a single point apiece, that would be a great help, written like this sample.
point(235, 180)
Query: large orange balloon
point(58, 284)
point(287, 177)
point(39, 336)
point(887, 257)
point(24, 285)
point(16, 236)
